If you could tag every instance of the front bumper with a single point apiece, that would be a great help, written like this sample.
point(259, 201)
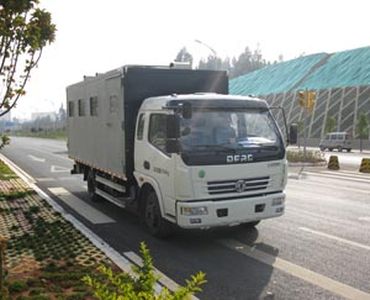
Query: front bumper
point(230, 212)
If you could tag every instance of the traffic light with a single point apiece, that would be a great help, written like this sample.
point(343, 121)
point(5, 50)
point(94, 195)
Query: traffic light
point(307, 99)
point(311, 99)
point(302, 99)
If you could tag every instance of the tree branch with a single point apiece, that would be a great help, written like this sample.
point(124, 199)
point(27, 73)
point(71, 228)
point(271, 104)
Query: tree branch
point(33, 63)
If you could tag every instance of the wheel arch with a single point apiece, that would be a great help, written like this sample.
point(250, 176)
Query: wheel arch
point(147, 187)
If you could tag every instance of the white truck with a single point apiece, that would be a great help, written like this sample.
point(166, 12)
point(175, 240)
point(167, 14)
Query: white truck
point(171, 145)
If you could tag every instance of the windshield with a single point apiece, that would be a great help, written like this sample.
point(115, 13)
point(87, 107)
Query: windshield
point(229, 130)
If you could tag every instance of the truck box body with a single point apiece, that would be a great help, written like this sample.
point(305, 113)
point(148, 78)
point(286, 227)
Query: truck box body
point(102, 111)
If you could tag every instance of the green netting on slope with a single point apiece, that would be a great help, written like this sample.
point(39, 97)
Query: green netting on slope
point(347, 68)
point(276, 78)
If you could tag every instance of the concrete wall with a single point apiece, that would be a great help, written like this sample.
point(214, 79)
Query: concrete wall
point(344, 104)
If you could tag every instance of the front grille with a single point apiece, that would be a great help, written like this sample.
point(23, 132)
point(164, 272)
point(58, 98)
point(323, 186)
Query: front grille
point(238, 185)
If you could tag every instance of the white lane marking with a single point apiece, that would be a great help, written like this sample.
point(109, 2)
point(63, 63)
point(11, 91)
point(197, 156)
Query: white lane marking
point(358, 173)
point(70, 178)
point(346, 174)
point(35, 158)
point(81, 207)
point(45, 179)
point(58, 169)
point(164, 280)
point(335, 238)
point(364, 219)
point(52, 154)
point(335, 186)
point(317, 279)
point(338, 177)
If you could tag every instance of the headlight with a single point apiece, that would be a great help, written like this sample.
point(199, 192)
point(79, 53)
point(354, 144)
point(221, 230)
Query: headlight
point(278, 201)
point(194, 211)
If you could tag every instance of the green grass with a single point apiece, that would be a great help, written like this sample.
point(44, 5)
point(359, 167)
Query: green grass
point(58, 134)
point(5, 172)
point(15, 195)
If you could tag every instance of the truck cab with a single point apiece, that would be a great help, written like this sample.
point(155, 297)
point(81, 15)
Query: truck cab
point(208, 160)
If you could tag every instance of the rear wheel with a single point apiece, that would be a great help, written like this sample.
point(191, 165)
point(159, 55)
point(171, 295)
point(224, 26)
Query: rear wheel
point(153, 220)
point(91, 186)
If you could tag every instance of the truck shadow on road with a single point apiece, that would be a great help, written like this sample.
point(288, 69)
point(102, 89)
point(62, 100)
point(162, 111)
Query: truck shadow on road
point(231, 274)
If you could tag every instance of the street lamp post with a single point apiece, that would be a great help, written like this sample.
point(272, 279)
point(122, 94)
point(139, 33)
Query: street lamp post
point(209, 48)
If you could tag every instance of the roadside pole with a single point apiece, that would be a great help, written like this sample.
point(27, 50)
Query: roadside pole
point(306, 100)
point(305, 129)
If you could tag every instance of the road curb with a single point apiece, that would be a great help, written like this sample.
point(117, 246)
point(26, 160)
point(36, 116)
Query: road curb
point(307, 164)
point(118, 259)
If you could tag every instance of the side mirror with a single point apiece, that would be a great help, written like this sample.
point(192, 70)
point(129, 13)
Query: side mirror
point(186, 110)
point(293, 134)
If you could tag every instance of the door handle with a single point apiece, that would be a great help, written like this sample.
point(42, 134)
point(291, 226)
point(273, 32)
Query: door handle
point(146, 165)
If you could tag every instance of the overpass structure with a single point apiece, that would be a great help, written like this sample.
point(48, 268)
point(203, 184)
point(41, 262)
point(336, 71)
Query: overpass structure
point(341, 81)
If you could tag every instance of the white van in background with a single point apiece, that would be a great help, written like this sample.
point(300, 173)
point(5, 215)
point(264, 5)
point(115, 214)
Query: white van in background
point(336, 140)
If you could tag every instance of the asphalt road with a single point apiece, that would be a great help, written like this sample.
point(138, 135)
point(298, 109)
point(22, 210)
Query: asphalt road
point(320, 248)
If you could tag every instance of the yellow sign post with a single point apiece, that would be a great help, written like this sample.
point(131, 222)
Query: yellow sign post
point(307, 100)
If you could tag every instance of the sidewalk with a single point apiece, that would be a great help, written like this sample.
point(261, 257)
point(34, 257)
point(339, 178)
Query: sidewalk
point(45, 256)
point(49, 251)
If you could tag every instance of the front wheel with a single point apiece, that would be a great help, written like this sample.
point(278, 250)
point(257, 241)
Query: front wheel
point(153, 220)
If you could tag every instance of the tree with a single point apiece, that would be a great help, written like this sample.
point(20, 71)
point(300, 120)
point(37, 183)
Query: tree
point(330, 124)
point(184, 56)
point(215, 63)
point(247, 62)
point(140, 284)
point(25, 30)
point(362, 128)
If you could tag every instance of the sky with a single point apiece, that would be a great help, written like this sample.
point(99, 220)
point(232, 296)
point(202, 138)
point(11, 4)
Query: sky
point(98, 36)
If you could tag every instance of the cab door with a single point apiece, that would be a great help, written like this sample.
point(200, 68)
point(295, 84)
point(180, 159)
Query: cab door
point(153, 161)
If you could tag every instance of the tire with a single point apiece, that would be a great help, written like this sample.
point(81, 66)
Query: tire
point(154, 223)
point(340, 149)
point(91, 186)
point(330, 149)
point(322, 149)
point(349, 150)
point(251, 224)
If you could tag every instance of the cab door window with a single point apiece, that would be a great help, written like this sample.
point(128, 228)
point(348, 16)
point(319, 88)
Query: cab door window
point(140, 128)
point(158, 131)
